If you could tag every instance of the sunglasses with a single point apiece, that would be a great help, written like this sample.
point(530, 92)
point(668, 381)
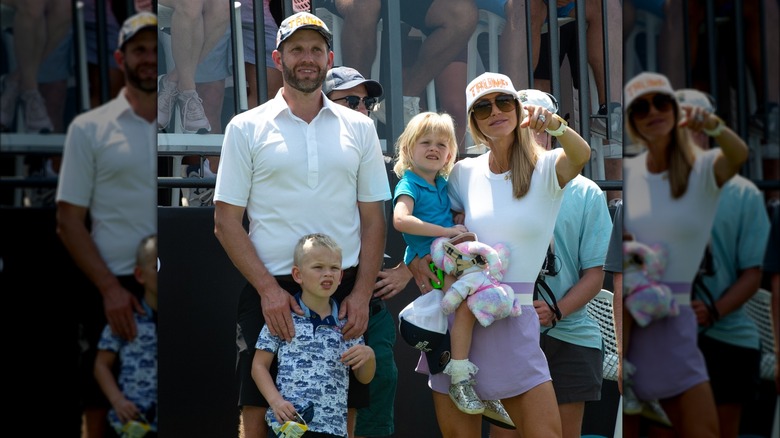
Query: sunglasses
point(641, 108)
point(483, 109)
point(353, 102)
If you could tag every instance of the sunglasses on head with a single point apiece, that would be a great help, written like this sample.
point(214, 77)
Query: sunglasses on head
point(641, 108)
point(483, 109)
point(354, 101)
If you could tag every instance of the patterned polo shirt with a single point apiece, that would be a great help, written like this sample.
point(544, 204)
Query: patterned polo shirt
point(310, 368)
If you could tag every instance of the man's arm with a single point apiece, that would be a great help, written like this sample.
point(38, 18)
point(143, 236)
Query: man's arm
point(118, 302)
point(275, 301)
point(372, 244)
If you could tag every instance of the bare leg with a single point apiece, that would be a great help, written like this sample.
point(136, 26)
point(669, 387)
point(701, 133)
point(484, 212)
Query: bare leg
point(452, 77)
point(512, 42)
point(252, 424)
point(534, 412)
point(452, 422)
point(460, 334)
point(454, 21)
point(360, 17)
point(693, 413)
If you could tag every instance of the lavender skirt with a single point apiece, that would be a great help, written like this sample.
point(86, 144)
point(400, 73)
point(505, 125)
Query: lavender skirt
point(507, 354)
point(666, 355)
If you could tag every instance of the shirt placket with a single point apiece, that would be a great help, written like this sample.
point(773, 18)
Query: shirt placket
point(312, 156)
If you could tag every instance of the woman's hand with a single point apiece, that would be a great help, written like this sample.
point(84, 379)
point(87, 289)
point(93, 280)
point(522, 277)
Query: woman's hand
point(538, 119)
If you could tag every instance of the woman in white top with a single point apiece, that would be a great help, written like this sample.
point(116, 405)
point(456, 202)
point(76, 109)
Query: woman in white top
point(510, 195)
point(671, 193)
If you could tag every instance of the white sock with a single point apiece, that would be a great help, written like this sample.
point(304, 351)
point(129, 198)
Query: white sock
point(460, 370)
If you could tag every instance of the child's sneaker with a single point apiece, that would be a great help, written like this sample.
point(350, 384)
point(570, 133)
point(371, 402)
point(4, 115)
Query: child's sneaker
point(496, 414)
point(631, 404)
point(465, 398)
point(652, 410)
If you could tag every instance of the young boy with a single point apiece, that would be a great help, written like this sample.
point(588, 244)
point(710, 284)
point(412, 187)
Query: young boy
point(314, 367)
point(133, 395)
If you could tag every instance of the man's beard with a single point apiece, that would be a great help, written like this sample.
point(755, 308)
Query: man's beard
point(303, 85)
point(134, 79)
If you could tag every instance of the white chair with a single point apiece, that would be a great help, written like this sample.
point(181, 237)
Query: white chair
point(759, 309)
point(600, 309)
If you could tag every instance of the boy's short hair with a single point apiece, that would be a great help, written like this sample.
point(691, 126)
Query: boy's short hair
point(317, 240)
point(146, 254)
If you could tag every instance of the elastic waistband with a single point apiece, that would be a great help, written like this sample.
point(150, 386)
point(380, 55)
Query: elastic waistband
point(525, 299)
point(521, 287)
point(682, 299)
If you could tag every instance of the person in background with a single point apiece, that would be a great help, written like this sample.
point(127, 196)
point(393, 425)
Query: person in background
point(133, 394)
point(347, 87)
point(344, 182)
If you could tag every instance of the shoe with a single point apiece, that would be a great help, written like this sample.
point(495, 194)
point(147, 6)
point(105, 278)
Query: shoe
point(166, 98)
point(465, 398)
point(199, 196)
point(599, 125)
point(631, 403)
point(8, 100)
point(496, 414)
point(411, 108)
point(41, 196)
point(653, 411)
point(193, 117)
point(36, 118)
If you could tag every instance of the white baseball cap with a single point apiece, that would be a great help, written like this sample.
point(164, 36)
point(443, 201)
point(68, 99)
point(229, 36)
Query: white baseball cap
point(487, 83)
point(539, 98)
point(644, 83)
point(693, 97)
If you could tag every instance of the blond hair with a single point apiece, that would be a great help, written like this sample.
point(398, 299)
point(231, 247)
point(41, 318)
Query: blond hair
point(680, 153)
point(523, 154)
point(314, 240)
point(440, 124)
point(146, 253)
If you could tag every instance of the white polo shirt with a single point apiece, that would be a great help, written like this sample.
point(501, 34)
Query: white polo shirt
point(296, 178)
point(109, 164)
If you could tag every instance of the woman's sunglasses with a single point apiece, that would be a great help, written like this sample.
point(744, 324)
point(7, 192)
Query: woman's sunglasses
point(353, 102)
point(483, 109)
point(641, 108)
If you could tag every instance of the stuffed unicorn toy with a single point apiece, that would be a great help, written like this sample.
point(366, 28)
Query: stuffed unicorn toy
point(646, 297)
point(479, 269)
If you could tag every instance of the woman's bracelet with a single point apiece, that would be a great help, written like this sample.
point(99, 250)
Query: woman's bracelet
point(717, 130)
point(561, 128)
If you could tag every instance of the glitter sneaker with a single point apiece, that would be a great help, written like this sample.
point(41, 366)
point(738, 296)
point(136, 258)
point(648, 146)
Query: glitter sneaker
point(36, 118)
point(166, 98)
point(599, 124)
point(465, 398)
point(193, 117)
point(496, 414)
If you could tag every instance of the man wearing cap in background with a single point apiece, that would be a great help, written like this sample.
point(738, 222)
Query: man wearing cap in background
point(298, 164)
point(347, 87)
point(109, 169)
point(571, 340)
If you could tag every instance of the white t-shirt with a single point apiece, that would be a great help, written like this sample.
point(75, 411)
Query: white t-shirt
point(682, 225)
point(296, 178)
point(525, 225)
point(109, 164)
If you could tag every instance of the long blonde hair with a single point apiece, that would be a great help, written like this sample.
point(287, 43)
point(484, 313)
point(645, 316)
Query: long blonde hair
point(428, 122)
point(523, 154)
point(680, 153)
